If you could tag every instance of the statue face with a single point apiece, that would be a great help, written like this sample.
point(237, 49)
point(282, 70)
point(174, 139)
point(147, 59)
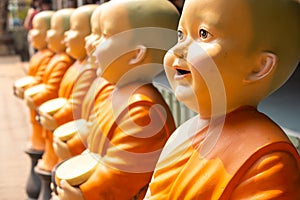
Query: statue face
point(112, 64)
point(38, 33)
point(211, 56)
point(74, 38)
point(55, 35)
point(90, 40)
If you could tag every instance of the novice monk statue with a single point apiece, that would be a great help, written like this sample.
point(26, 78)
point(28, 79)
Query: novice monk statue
point(77, 144)
point(39, 60)
point(132, 122)
point(56, 68)
point(75, 82)
point(70, 88)
point(37, 65)
point(229, 56)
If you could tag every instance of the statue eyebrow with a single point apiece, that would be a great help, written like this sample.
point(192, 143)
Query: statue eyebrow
point(210, 18)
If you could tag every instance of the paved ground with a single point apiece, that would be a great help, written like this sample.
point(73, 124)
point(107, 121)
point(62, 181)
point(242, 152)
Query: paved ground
point(283, 107)
point(14, 133)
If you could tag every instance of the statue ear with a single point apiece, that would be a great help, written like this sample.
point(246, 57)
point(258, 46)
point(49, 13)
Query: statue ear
point(265, 64)
point(140, 53)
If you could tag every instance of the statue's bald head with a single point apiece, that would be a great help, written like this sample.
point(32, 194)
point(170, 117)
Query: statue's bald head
point(276, 29)
point(87, 9)
point(144, 30)
point(149, 14)
point(156, 13)
point(64, 15)
point(45, 16)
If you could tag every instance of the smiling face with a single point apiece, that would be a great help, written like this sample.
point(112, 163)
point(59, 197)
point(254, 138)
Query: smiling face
point(59, 24)
point(41, 24)
point(112, 64)
point(91, 41)
point(123, 49)
point(55, 35)
point(79, 29)
point(211, 55)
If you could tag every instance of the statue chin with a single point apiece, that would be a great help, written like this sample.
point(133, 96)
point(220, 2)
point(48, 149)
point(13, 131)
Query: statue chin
point(186, 95)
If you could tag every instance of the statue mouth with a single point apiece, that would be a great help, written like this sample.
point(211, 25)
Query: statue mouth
point(182, 71)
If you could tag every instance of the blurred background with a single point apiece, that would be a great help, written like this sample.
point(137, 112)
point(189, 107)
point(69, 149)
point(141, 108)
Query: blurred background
point(13, 33)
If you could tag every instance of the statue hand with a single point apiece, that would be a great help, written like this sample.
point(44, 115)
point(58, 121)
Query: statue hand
point(29, 102)
point(67, 192)
point(19, 92)
point(54, 196)
point(61, 149)
point(48, 121)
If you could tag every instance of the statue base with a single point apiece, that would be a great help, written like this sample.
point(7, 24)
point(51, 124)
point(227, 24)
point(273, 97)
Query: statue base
point(33, 185)
point(45, 178)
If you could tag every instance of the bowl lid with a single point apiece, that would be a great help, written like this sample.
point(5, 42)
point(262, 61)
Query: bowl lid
point(34, 90)
point(52, 105)
point(69, 129)
point(77, 169)
point(22, 82)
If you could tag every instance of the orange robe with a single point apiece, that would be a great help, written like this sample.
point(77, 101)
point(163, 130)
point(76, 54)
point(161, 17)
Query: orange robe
point(128, 140)
point(50, 63)
point(73, 87)
point(52, 78)
point(37, 66)
point(99, 87)
point(252, 159)
point(38, 63)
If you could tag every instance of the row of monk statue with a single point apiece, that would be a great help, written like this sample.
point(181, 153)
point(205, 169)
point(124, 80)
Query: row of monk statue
point(107, 133)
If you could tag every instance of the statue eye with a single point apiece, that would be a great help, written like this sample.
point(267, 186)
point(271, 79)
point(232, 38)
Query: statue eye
point(180, 35)
point(204, 34)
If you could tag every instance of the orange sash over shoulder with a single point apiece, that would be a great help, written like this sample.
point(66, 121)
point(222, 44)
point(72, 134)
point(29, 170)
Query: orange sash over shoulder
point(38, 63)
point(74, 87)
point(128, 134)
point(252, 159)
point(100, 89)
point(52, 78)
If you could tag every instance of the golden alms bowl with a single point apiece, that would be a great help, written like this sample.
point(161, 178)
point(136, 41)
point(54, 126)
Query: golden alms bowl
point(23, 82)
point(34, 90)
point(52, 106)
point(69, 129)
point(77, 169)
